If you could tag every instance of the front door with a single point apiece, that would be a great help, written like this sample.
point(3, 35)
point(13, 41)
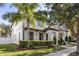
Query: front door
point(40, 36)
point(46, 36)
point(31, 35)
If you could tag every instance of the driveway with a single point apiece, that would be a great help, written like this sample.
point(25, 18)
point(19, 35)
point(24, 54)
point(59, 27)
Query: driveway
point(64, 52)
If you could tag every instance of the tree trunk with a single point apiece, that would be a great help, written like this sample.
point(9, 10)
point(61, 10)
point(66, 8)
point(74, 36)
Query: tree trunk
point(77, 40)
point(77, 36)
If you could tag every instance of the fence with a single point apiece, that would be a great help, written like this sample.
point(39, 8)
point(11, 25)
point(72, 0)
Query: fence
point(8, 40)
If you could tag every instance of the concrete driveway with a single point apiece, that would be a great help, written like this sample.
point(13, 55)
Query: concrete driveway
point(64, 52)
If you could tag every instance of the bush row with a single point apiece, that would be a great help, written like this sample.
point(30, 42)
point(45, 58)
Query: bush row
point(35, 44)
point(63, 42)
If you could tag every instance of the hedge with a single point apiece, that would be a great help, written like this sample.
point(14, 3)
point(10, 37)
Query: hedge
point(35, 44)
point(60, 41)
point(23, 44)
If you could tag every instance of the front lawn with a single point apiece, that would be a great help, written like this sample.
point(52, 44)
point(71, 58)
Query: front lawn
point(10, 50)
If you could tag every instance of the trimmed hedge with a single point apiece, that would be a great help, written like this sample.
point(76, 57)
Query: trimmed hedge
point(35, 44)
point(73, 41)
point(23, 44)
point(60, 41)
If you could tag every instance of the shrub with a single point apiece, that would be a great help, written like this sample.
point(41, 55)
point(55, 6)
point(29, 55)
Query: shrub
point(64, 43)
point(35, 44)
point(60, 42)
point(73, 40)
point(23, 44)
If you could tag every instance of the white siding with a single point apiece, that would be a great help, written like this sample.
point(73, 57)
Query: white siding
point(26, 35)
point(36, 25)
point(17, 31)
point(44, 36)
point(50, 35)
point(36, 35)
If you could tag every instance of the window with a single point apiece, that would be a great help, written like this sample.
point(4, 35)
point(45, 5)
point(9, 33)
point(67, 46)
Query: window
point(40, 36)
point(46, 36)
point(31, 36)
point(40, 23)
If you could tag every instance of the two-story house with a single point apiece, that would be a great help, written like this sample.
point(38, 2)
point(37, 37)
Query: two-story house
point(21, 33)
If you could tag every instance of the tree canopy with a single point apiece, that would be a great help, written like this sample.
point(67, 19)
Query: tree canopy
point(65, 13)
point(26, 11)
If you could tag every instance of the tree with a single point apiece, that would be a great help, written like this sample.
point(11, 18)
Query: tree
point(25, 12)
point(5, 29)
point(67, 14)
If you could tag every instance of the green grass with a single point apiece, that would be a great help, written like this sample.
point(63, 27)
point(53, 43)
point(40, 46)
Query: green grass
point(10, 50)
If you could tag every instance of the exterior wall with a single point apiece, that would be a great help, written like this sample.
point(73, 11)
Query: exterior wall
point(26, 36)
point(51, 34)
point(36, 35)
point(44, 36)
point(39, 25)
point(36, 25)
point(17, 31)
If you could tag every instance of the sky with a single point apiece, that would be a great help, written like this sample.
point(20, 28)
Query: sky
point(8, 8)
point(4, 10)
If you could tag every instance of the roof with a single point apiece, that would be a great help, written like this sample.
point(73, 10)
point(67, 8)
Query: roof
point(33, 29)
point(44, 30)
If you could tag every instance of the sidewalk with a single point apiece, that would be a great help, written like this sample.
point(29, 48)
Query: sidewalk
point(64, 52)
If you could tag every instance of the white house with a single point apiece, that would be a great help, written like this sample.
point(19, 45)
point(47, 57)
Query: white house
point(39, 32)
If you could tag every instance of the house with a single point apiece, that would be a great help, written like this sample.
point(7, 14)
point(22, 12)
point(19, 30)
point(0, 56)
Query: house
point(21, 33)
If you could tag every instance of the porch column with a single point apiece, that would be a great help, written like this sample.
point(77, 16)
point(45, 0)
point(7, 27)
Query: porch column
point(57, 38)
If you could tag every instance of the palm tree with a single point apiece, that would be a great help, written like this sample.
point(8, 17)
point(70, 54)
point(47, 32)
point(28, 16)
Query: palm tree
point(6, 29)
point(25, 12)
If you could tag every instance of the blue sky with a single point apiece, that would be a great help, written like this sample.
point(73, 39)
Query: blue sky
point(4, 10)
point(7, 8)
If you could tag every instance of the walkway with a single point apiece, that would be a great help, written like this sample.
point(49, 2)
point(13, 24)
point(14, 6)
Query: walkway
point(64, 52)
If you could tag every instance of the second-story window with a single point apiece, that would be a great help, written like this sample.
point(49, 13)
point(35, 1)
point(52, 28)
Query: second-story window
point(40, 23)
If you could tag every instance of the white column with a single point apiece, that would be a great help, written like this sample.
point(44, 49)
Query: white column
point(57, 38)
